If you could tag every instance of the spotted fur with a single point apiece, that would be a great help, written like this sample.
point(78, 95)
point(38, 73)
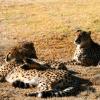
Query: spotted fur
point(50, 80)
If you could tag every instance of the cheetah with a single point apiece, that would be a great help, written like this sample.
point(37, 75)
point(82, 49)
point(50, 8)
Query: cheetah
point(49, 82)
point(87, 52)
point(21, 51)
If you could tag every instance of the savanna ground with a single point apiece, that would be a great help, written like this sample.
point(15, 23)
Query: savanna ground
point(50, 24)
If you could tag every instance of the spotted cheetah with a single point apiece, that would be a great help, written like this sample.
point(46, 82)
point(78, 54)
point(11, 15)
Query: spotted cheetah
point(21, 51)
point(87, 52)
point(51, 80)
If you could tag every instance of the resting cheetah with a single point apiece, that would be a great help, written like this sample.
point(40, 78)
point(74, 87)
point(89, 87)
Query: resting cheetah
point(21, 51)
point(50, 80)
point(87, 52)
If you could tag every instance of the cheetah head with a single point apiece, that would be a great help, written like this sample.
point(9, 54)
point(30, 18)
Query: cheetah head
point(83, 38)
point(22, 51)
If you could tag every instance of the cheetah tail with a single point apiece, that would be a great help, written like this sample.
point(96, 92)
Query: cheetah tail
point(51, 93)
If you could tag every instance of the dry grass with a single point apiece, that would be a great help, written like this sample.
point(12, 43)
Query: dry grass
point(50, 24)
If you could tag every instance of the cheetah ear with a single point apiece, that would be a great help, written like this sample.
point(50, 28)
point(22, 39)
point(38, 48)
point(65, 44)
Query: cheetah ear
point(8, 57)
point(89, 32)
point(78, 30)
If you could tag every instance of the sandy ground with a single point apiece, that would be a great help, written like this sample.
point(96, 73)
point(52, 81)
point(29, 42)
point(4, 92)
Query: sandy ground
point(50, 25)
